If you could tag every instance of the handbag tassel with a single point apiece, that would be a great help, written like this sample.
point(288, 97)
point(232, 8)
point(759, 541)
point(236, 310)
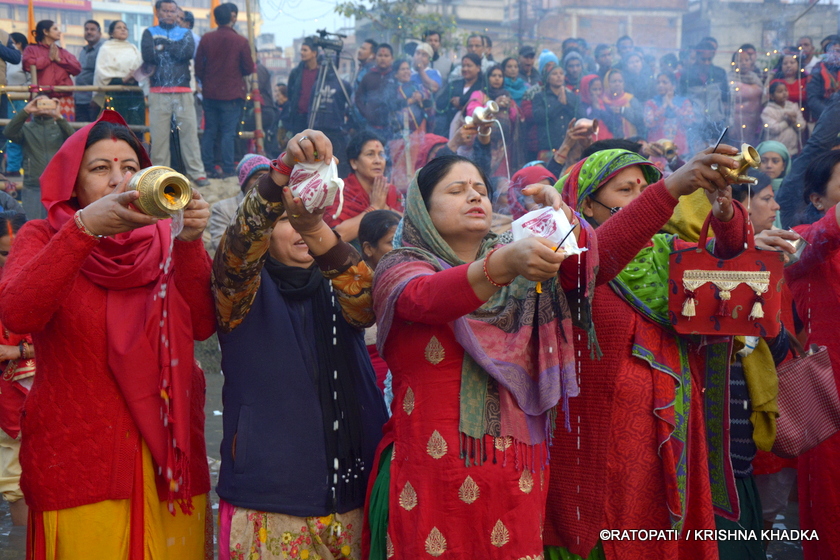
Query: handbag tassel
point(690, 305)
point(723, 308)
point(757, 308)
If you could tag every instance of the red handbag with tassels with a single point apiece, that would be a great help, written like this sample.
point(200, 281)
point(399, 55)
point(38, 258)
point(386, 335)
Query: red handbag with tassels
point(739, 296)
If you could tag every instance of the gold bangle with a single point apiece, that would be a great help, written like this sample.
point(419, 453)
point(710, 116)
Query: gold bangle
point(81, 225)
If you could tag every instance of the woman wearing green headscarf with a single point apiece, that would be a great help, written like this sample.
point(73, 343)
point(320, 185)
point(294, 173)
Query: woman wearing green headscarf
point(775, 160)
point(636, 457)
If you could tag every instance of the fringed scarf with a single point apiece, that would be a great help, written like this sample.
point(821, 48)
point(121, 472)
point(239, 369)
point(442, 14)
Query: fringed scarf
point(150, 338)
point(519, 357)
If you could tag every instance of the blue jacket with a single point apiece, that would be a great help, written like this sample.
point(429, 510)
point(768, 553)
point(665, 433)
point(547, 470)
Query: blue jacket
point(170, 48)
point(272, 413)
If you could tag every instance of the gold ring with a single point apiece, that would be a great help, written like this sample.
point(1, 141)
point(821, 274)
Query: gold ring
point(295, 215)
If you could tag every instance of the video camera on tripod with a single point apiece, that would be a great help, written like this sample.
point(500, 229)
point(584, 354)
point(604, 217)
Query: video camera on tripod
point(329, 41)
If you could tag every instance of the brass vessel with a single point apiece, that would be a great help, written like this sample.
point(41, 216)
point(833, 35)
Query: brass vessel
point(669, 149)
point(747, 158)
point(484, 114)
point(163, 191)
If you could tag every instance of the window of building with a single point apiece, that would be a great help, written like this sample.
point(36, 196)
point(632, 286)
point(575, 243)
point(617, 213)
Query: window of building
point(42, 14)
point(74, 18)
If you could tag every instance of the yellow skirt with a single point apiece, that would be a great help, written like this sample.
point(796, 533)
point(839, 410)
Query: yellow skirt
point(102, 530)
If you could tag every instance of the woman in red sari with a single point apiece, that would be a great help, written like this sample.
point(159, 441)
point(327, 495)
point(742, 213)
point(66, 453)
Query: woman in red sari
point(366, 189)
point(113, 457)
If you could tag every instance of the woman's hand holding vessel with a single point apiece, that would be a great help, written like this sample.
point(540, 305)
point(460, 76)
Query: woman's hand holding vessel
point(112, 214)
point(698, 173)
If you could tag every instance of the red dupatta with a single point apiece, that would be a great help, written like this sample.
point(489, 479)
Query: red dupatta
point(357, 200)
point(150, 340)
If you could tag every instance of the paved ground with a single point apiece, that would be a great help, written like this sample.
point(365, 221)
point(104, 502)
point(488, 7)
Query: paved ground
point(13, 539)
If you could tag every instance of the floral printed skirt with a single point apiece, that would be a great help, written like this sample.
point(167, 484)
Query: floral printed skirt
point(247, 534)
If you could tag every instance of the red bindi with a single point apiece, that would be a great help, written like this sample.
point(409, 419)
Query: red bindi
point(115, 159)
point(638, 181)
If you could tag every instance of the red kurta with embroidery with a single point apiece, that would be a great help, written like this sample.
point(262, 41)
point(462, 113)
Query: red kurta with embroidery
point(438, 506)
point(609, 472)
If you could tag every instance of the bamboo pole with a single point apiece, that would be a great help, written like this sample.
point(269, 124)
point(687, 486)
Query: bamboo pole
point(138, 128)
point(255, 84)
point(47, 89)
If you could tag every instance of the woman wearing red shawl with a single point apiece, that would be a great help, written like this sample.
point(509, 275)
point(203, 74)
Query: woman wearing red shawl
point(592, 104)
point(53, 65)
point(623, 113)
point(636, 456)
point(366, 189)
point(114, 456)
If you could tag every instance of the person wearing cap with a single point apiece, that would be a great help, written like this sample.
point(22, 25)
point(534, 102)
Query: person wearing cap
point(249, 171)
point(422, 74)
point(527, 54)
point(546, 63)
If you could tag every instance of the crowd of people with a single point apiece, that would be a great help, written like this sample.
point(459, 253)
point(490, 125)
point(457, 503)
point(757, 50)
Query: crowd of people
point(403, 377)
point(186, 83)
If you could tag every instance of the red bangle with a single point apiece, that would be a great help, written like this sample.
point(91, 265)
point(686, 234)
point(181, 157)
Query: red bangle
point(487, 274)
point(280, 167)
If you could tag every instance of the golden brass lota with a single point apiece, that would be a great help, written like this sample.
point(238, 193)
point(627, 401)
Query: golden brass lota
point(747, 158)
point(163, 191)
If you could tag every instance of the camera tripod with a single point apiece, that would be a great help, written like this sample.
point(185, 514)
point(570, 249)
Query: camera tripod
point(323, 70)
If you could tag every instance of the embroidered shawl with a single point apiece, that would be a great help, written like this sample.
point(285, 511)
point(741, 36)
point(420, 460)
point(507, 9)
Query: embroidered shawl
point(519, 357)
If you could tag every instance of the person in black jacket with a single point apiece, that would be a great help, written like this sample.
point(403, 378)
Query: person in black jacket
point(551, 111)
point(301, 88)
point(708, 88)
point(168, 48)
point(456, 94)
point(824, 79)
point(376, 94)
